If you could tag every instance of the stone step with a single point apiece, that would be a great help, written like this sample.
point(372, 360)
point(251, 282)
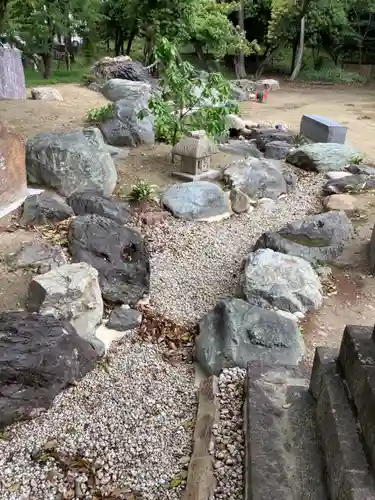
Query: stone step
point(348, 473)
point(357, 360)
point(283, 459)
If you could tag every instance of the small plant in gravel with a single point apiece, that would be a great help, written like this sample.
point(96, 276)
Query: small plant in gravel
point(142, 191)
point(98, 115)
point(300, 140)
point(187, 102)
point(356, 159)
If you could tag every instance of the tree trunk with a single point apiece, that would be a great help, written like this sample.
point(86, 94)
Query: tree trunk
point(241, 70)
point(294, 52)
point(298, 65)
point(47, 61)
point(3, 8)
point(130, 42)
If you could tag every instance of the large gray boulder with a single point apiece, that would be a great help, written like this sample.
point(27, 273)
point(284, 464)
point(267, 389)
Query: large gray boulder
point(321, 156)
point(200, 200)
point(92, 202)
point(257, 178)
point(120, 67)
point(69, 292)
point(234, 333)
point(39, 357)
point(45, 208)
point(117, 252)
point(46, 94)
point(316, 238)
point(117, 89)
point(263, 136)
point(126, 128)
point(281, 281)
point(277, 150)
point(70, 162)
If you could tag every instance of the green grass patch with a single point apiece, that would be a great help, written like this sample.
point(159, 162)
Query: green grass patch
point(331, 75)
point(34, 78)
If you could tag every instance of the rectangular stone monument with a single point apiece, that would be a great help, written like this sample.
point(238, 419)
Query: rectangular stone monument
point(320, 129)
point(13, 187)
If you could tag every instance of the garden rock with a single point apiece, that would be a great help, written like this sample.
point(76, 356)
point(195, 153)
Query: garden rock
point(92, 202)
point(321, 156)
point(356, 183)
point(241, 148)
point(277, 150)
point(263, 136)
point(235, 122)
point(199, 200)
point(71, 161)
point(238, 94)
point(337, 175)
point(291, 181)
point(272, 84)
point(240, 201)
point(360, 169)
point(46, 94)
point(257, 178)
point(120, 67)
point(116, 89)
point(118, 253)
point(316, 238)
point(40, 256)
point(280, 281)
point(39, 357)
point(45, 208)
point(342, 202)
point(70, 292)
point(126, 128)
point(124, 318)
point(235, 333)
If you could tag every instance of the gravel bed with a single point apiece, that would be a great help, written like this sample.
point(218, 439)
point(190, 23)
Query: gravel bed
point(229, 436)
point(194, 264)
point(132, 424)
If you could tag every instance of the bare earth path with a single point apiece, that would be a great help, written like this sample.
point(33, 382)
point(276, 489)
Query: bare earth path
point(353, 301)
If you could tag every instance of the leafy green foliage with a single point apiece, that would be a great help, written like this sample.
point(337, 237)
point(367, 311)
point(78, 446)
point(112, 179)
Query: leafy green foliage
point(188, 102)
point(332, 75)
point(356, 159)
point(98, 115)
point(142, 191)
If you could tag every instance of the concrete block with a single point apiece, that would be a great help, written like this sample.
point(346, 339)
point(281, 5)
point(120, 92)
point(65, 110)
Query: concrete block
point(342, 447)
point(320, 129)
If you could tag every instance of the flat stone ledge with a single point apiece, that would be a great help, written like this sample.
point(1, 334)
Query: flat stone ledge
point(344, 455)
point(283, 458)
point(201, 481)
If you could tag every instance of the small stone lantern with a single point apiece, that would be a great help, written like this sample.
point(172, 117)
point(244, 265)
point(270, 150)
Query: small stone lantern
point(195, 152)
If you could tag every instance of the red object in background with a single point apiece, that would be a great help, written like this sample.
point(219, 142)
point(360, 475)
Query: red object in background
point(262, 95)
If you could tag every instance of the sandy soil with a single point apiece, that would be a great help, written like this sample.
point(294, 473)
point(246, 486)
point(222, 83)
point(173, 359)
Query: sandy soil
point(353, 301)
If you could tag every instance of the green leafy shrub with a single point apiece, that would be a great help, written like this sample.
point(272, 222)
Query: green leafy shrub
point(356, 159)
point(142, 191)
point(300, 140)
point(187, 102)
point(331, 75)
point(98, 115)
point(87, 78)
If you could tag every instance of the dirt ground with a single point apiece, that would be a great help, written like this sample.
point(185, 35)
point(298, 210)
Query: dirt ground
point(353, 297)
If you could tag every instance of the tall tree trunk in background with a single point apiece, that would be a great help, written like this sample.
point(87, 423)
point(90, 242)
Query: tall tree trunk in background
point(47, 61)
point(130, 42)
point(240, 69)
point(294, 52)
point(3, 8)
point(298, 65)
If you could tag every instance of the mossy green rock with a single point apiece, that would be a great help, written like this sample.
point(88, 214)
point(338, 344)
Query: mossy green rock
point(321, 156)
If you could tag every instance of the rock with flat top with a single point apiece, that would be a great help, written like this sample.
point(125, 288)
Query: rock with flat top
point(321, 156)
point(40, 256)
point(341, 202)
point(70, 292)
point(46, 94)
point(199, 200)
point(93, 202)
point(235, 333)
point(124, 318)
point(240, 201)
point(45, 208)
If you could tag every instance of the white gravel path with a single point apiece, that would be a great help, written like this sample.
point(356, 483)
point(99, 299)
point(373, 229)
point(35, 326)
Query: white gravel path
point(194, 264)
point(134, 424)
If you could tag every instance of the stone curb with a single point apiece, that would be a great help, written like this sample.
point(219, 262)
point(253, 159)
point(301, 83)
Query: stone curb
point(201, 481)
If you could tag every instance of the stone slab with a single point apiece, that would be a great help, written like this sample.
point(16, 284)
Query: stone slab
point(343, 451)
point(325, 358)
point(282, 450)
point(320, 129)
point(201, 481)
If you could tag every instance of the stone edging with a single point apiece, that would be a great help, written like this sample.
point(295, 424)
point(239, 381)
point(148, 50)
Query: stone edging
point(201, 480)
